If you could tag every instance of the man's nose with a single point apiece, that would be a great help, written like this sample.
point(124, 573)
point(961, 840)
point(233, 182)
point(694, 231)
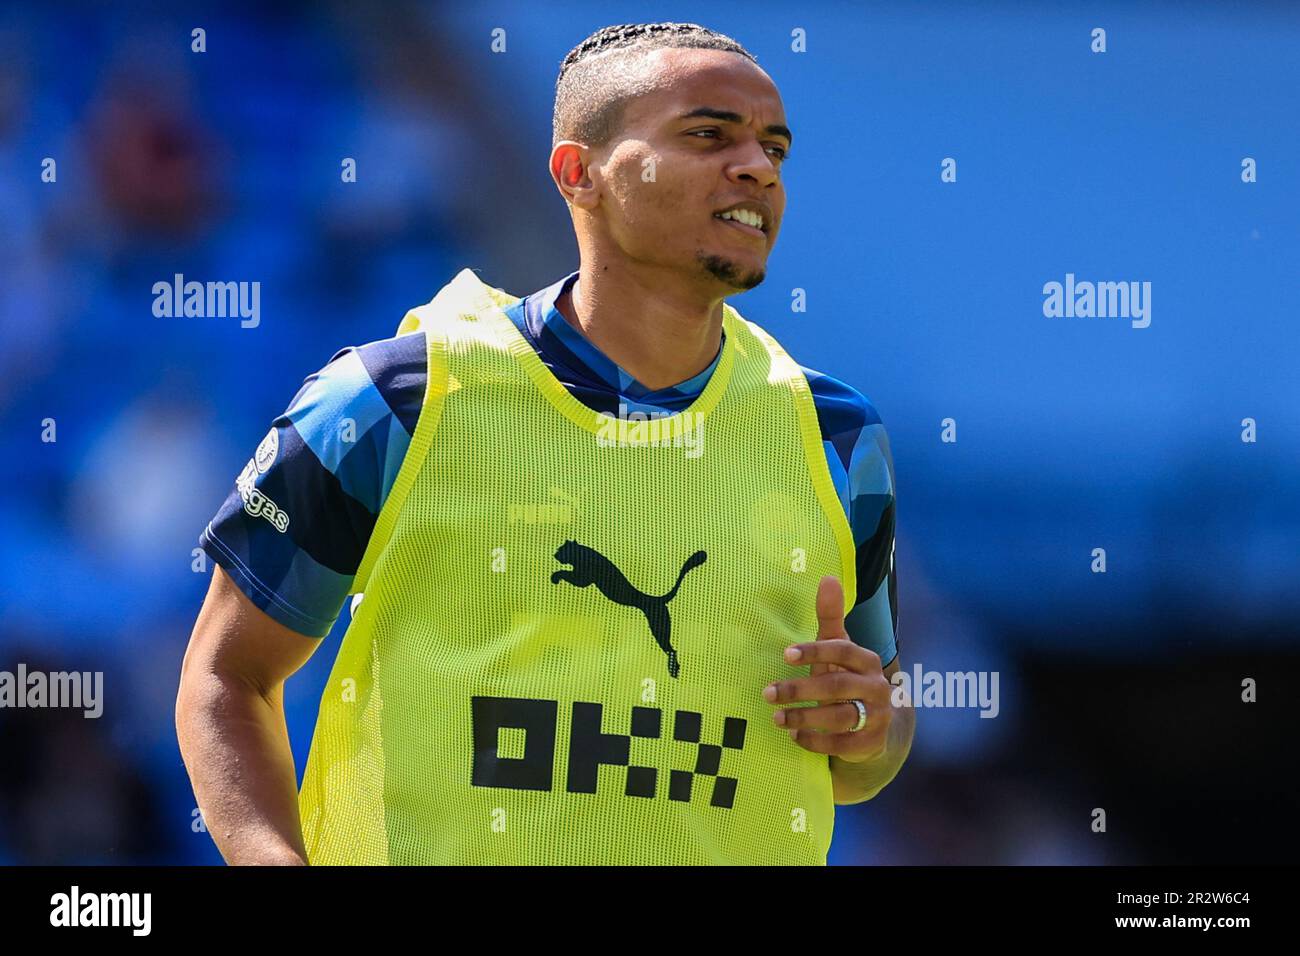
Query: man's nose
point(754, 165)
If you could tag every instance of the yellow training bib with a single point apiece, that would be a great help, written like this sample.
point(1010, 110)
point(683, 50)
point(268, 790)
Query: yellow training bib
point(569, 619)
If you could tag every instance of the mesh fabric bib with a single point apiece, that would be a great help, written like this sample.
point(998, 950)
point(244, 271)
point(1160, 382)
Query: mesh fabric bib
point(569, 618)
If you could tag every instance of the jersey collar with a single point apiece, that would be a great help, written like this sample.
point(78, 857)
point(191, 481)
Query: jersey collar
point(552, 334)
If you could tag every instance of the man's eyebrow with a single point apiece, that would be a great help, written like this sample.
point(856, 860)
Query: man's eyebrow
point(727, 116)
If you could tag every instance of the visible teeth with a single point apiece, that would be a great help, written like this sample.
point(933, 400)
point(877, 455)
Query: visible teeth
point(743, 215)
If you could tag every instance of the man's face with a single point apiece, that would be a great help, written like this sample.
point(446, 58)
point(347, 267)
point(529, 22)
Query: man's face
point(669, 177)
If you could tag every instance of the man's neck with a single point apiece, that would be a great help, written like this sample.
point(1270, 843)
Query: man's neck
point(659, 333)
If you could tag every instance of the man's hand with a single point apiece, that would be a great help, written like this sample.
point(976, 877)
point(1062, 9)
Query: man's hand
point(841, 671)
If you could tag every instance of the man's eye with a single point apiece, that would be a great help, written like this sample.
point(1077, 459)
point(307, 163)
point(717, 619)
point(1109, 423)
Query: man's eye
point(780, 152)
point(707, 132)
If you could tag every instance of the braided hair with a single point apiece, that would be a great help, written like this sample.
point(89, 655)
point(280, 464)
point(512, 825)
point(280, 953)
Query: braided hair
point(590, 92)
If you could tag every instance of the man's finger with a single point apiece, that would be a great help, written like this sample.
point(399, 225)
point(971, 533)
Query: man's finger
point(825, 718)
point(830, 608)
point(843, 652)
point(841, 684)
point(830, 617)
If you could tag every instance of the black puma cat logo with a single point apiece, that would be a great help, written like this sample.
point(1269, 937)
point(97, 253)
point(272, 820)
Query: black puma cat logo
point(592, 567)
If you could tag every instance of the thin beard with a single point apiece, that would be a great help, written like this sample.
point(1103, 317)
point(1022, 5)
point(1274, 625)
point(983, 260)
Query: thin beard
point(725, 270)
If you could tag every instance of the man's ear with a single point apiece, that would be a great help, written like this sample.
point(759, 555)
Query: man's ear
point(571, 173)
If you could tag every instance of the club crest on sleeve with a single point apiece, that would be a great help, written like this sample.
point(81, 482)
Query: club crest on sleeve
point(266, 451)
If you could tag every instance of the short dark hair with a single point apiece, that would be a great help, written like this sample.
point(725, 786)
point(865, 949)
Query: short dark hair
point(590, 93)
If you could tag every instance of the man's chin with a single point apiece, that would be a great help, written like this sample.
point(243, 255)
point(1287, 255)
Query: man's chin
point(732, 273)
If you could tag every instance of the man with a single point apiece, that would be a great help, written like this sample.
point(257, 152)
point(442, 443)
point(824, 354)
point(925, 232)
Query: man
point(602, 539)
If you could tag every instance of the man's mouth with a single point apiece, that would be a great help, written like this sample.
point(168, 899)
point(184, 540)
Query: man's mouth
point(744, 220)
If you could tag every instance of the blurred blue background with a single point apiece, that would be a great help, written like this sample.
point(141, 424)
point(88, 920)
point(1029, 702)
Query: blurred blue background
point(1119, 690)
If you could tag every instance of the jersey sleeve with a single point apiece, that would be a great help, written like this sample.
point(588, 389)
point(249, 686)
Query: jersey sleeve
point(294, 528)
point(862, 468)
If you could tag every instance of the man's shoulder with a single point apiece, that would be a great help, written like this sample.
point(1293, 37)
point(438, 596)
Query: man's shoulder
point(841, 406)
point(364, 383)
point(844, 413)
point(455, 302)
point(381, 354)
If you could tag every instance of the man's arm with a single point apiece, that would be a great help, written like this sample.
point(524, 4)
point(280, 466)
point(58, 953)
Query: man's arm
point(857, 782)
point(862, 468)
point(231, 727)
